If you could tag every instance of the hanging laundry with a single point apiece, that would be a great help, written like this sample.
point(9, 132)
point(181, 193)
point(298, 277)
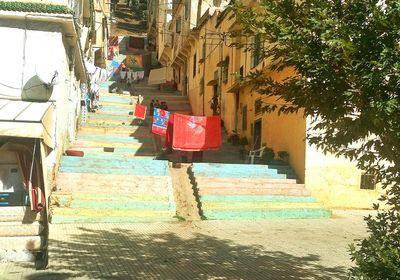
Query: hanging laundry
point(160, 121)
point(170, 131)
point(135, 76)
point(140, 75)
point(196, 133)
point(140, 111)
point(123, 74)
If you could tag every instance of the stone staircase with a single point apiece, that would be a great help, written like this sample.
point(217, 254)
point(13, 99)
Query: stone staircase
point(242, 191)
point(117, 178)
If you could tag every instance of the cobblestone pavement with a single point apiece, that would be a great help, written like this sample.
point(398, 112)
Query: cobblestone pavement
point(260, 249)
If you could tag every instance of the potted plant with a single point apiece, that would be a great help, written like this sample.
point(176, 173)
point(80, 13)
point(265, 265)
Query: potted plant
point(284, 156)
point(268, 155)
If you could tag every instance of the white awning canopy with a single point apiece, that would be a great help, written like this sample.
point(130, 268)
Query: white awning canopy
point(158, 76)
point(27, 119)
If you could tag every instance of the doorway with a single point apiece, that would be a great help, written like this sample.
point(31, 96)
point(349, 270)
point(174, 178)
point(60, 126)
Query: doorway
point(257, 134)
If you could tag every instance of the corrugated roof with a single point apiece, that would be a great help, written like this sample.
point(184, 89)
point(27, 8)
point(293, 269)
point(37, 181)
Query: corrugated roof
point(19, 6)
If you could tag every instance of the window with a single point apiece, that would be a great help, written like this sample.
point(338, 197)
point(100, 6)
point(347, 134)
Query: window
point(201, 91)
point(178, 25)
point(258, 106)
point(241, 72)
point(256, 53)
point(225, 70)
point(194, 64)
point(368, 182)
point(244, 117)
point(187, 9)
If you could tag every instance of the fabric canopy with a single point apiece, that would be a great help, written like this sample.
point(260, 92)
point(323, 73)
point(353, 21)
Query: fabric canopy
point(195, 133)
point(27, 120)
point(158, 76)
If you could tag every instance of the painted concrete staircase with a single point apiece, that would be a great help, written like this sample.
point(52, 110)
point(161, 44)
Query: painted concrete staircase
point(235, 191)
point(23, 235)
point(117, 179)
point(113, 188)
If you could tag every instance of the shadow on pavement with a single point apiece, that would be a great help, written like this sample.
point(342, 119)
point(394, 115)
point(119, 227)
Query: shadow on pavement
point(124, 254)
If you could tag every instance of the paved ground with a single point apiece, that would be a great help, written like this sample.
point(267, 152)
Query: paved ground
point(262, 249)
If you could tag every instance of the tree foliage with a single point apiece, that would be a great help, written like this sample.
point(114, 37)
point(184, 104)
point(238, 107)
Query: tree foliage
point(346, 56)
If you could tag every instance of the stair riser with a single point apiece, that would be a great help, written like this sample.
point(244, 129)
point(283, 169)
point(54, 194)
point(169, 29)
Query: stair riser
point(116, 138)
point(18, 243)
point(261, 181)
point(20, 229)
point(132, 145)
point(112, 167)
point(257, 198)
point(110, 182)
point(271, 214)
point(19, 214)
point(248, 185)
point(113, 213)
point(224, 191)
point(84, 219)
point(115, 205)
point(265, 175)
point(117, 151)
point(235, 206)
point(139, 132)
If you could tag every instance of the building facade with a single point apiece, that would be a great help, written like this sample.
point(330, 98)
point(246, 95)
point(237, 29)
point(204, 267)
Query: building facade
point(205, 54)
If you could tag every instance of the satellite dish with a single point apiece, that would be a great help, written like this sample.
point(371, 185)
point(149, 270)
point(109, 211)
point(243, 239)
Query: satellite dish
point(35, 89)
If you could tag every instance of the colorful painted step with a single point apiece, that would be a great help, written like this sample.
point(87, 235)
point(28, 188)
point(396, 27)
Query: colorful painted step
point(240, 191)
point(270, 214)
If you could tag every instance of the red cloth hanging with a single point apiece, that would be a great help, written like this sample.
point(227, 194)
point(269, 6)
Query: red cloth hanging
point(196, 133)
point(170, 131)
point(140, 111)
point(32, 183)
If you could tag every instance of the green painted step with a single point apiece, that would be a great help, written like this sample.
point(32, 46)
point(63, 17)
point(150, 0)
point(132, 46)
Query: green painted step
point(269, 214)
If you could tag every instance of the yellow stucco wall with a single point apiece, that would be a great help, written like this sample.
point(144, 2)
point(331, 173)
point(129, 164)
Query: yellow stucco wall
point(336, 181)
point(333, 181)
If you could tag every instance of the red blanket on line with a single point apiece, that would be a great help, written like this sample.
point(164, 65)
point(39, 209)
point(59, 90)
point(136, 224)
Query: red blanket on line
point(140, 111)
point(196, 133)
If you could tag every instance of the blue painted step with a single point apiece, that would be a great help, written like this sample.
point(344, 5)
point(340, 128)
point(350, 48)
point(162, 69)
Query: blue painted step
point(128, 166)
point(235, 171)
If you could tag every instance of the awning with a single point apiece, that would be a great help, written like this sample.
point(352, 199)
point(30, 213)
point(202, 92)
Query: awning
point(27, 119)
point(157, 76)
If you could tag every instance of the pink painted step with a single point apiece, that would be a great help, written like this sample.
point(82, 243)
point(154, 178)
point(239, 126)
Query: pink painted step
point(113, 183)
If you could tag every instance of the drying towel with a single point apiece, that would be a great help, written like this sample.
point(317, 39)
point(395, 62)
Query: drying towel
point(195, 133)
point(160, 122)
point(170, 131)
point(140, 111)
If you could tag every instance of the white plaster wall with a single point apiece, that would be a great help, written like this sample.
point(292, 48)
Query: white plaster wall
point(39, 49)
